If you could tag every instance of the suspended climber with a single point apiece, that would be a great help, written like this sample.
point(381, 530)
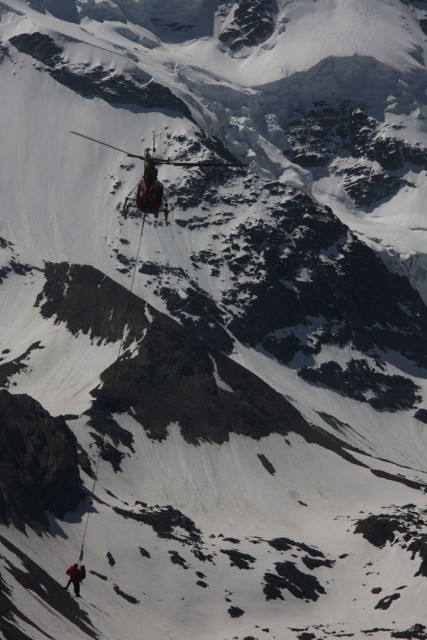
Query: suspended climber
point(76, 575)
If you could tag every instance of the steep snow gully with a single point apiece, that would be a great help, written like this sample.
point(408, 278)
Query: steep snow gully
point(227, 414)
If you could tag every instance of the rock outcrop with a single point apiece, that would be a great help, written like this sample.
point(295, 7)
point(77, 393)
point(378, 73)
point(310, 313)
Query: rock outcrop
point(38, 464)
point(253, 22)
point(98, 82)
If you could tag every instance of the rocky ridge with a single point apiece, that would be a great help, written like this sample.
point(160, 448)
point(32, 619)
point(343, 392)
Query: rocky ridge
point(328, 132)
point(252, 22)
point(300, 281)
point(38, 462)
point(208, 394)
point(98, 82)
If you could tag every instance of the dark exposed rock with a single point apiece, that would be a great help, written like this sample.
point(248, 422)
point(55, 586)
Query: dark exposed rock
point(202, 584)
point(38, 463)
point(106, 426)
point(389, 151)
point(378, 529)
point(421, 414)
point(171, 364)
point(150, 269)
point(201, 555)
point(11, 264)
point(208, 394)
point(367, 186)
point(11, 368)
point(418, 545)
point(108, 452)
point(98, 82)
point(110, 559)
point(4, 53)
point(266, 464)
point(307, 281)
point(199, 314)
point(396, 477)
point(144, 552)
point(84, 462)
point(406, 526)
point(88, 302)
point(417, 632)
point(299, 584)
point(319, 135)
point(285, 544)
point(21, 269)
point(39, 46)
point(118, 90)
point(167, 522)
point(177, 559)
point(281, 544)
point(253, 22)
point(235, 612)
point(366, 384)
point(315, 563)
point(239, 559)
point(123, 259)
point(315, 558)
point(422, 570)
point(386, 602)
point(112, 455)
point(200, 186)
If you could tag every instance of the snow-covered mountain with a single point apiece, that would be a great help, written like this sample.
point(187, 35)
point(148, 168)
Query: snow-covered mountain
point(226, 414)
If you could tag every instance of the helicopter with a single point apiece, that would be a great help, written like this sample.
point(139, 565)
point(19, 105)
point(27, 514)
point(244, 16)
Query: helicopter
point(149, 195)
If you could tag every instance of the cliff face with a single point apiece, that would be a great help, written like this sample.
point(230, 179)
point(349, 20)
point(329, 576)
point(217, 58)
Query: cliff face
point(253, 22)
point(38, 463)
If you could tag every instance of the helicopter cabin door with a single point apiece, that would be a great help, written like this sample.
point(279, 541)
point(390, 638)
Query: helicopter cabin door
point(149, 200)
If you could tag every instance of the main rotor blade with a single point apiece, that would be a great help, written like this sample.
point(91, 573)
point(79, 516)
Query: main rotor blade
point(160, 160)
point(201, 164)
point(82, 135)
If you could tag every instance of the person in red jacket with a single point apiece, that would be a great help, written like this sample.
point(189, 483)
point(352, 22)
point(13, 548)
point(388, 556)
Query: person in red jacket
point(76, 575)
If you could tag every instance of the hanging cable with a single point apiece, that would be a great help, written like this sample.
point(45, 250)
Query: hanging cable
point(113, 383)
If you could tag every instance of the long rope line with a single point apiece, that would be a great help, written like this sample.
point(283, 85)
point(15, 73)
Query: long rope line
point(113, 384)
